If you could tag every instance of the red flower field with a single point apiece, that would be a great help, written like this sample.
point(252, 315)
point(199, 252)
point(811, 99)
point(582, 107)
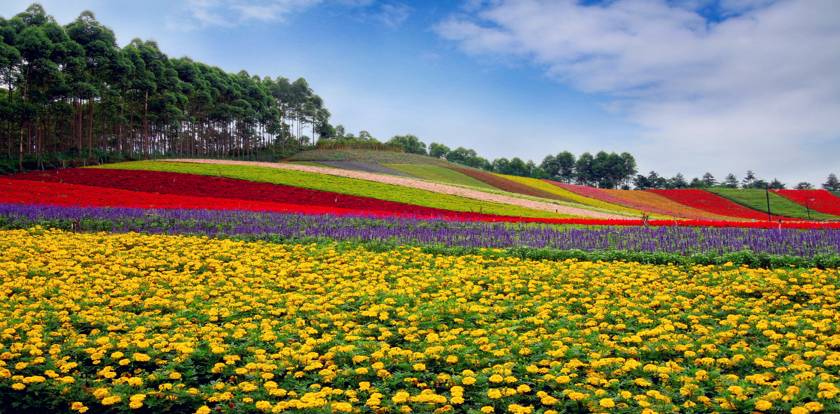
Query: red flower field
point(60, 194)
point(713, 203)
point(817, 200)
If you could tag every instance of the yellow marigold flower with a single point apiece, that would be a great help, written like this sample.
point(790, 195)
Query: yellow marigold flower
point(606, 403)
point(111, 400)
point(18, 386)
point(78, 406)
point(263, 405)
point(400, 397)
point(487, 409)
point(451, 359)
point(763, 405)
point(494, 393)
point(468, 380)
point(343, 407)
point(203, 410)
point(814, 406)
point(141, 357)
point(135, 404)
point(496, 378)
point(419, 367)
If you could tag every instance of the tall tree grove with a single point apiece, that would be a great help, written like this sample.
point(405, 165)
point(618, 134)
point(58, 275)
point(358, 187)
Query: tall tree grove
point(71, 93)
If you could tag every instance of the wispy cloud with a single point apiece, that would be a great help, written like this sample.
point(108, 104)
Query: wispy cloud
point(754, 88)
point(226, 13)
point(392, 14)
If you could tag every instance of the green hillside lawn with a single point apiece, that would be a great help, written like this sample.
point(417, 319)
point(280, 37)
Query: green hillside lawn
point(360, 155)
point(756, 200)
point(439, 174)
point(336, 184)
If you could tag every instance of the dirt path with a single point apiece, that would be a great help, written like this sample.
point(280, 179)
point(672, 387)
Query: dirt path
point(419, 184)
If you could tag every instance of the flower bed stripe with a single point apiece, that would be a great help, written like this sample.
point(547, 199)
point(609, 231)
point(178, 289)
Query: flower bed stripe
point(818, 200)
point(682, 240)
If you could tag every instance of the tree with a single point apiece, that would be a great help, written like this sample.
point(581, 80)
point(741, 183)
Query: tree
point(409, 143)
point(438, 150)
point(584, 169)
point(831, 183)
point(550, 166)
point(677, 181)
point(731, 181)
point(640, 182)
point(565, 166)
point(804, 185)
point(749, 179)
point(709, 180)
point(696, 183)
point(776, 185)
point(366, 136)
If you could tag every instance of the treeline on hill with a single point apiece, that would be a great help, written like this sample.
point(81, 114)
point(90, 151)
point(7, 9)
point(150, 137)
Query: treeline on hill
point(653, 180)
point(73, 96)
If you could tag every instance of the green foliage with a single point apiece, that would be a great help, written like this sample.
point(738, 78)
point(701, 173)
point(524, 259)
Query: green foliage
point(439, 174)
point(409, 143)
point(365, 155)
point(356, 143)
point(437, 150)
point(467, 157)
point(832, 183)
point(757, 200)
point(337, 184)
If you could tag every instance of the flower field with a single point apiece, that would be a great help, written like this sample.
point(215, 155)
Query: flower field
point(160, 323)
point(683, 240)
point(817, 200)
point(558, 190)
point(159, 287)
point(714, 203)
point(215, 187)
point(336, 184)
point(756, 199)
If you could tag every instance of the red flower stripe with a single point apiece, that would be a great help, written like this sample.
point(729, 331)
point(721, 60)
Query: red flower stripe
point(817, 200)
point(33, 192)
point(714, 203)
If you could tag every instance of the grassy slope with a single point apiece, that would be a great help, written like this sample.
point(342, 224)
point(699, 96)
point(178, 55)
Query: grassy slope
point(577, 198)
point(336, 184)
point(439, 174)
point(756, 200)
point(381, 157)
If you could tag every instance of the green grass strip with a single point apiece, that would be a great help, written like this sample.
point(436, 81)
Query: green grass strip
point(756, 199)
point(343, 185)
point(439, 174)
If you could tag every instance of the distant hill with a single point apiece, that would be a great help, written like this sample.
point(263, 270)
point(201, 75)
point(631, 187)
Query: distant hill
point(678, 204)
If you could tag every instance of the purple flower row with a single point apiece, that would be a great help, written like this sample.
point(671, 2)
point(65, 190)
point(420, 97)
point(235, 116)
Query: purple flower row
point(682, 240)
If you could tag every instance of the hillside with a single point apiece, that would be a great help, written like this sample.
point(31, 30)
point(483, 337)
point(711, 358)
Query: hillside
point(690, 204)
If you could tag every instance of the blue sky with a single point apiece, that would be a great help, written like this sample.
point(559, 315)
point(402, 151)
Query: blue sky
point(686, 85)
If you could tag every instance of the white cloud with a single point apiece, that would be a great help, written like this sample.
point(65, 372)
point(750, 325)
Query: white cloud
point(227, 13)
point(758, 89)
point(392, 14)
